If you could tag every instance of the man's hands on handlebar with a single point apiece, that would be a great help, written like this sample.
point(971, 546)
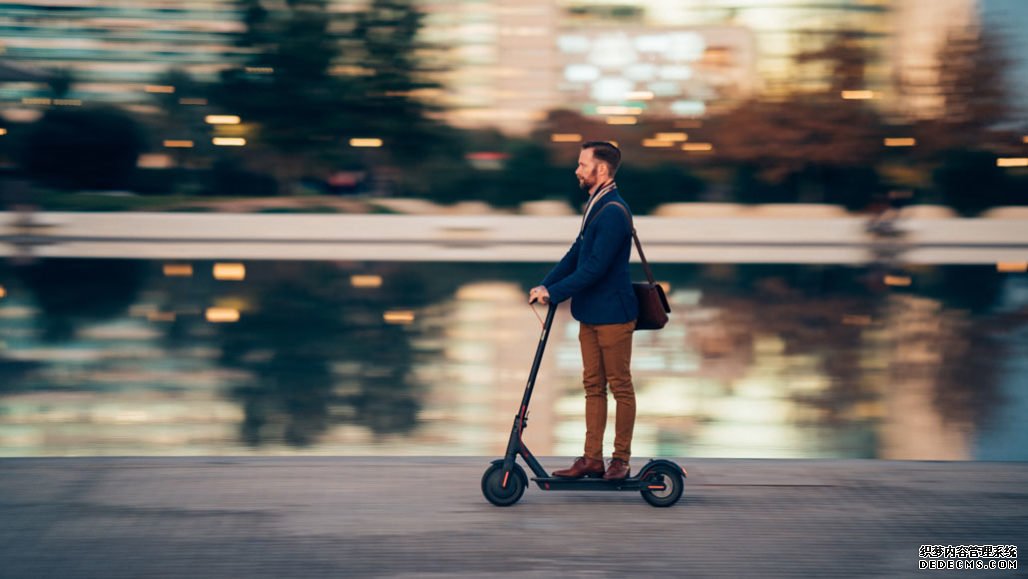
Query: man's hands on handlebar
point(539, 294)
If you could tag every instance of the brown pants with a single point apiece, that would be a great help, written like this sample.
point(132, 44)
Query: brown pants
point(607, 359)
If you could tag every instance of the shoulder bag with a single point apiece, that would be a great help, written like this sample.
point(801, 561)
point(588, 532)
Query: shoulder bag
point(653, 304)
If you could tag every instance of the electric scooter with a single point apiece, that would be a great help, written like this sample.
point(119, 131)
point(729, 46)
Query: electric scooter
point(660, 481)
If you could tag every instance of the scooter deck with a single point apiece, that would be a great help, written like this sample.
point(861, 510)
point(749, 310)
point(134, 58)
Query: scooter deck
point(595, 484)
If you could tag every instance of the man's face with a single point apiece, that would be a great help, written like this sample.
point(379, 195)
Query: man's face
point(588, 170)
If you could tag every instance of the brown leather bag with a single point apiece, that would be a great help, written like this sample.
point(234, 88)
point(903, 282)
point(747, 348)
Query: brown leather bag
point(653, 304)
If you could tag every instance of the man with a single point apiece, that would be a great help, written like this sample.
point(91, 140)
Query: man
point(594, 274)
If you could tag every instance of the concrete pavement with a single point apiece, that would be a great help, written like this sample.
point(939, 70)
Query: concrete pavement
point(425, 517)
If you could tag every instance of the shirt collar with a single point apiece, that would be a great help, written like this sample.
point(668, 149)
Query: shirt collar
point(593, 199)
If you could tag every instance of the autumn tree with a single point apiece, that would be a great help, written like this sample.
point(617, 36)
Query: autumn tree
point(964, 141)
point(974, 90)
point(818, 145)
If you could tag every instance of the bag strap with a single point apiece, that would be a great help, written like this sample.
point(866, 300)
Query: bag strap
point(635, 236)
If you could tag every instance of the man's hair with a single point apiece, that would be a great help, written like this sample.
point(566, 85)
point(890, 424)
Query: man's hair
point(605, 152)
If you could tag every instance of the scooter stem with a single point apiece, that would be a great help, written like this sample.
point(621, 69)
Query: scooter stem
point(514, 444)
point(543, 337)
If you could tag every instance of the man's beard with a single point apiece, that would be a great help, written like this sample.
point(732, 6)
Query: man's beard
point(587, 183)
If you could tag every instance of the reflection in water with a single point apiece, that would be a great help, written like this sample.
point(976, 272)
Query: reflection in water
point(317, 353)
point(72, 293)
point(123, 357)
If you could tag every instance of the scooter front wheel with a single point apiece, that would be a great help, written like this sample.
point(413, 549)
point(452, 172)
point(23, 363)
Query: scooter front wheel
point(672, 481)
point(497, 492)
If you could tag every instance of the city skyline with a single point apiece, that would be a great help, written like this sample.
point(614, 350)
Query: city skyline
point(505, 66)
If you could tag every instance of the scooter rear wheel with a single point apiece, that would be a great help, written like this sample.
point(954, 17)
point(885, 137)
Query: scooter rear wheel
point(673, 482)
point(494, 490)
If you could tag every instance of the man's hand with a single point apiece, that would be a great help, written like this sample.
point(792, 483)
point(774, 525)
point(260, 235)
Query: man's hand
point(539, 294)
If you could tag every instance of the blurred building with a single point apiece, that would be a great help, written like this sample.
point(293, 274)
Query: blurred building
point(1009, 20)
point(504, 64)
point(500, 60)
point(921, 31)
point(782, 29)
point(508, 65)
point(692, 57)
point(114, 51)
point(677, 72)
point(511, 63)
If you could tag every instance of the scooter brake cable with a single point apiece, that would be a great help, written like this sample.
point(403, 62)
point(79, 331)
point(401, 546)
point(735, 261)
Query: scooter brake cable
point(537, 316)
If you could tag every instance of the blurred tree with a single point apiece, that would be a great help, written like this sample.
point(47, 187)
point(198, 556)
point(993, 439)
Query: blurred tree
point(644, 188)
point(748, 186)
point(530, 176)
point(229, 176)
point(285, 93)
point(319, 353)
point(181, 117)
point(95, 148)
point(963, 140)
point(958, 110)
point(819, 150)
point(317, 78)
point(648, 177)
point(838, 65)
point(970, 182)
point(61, 82)
point(974, 91)
point(385, 45)
point(523, 172)
point(815, 146)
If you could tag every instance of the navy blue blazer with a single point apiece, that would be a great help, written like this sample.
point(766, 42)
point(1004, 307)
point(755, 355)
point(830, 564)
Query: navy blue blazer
point(594, 272)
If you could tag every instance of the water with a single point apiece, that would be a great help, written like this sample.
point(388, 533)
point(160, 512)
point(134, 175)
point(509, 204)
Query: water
point(123, 357)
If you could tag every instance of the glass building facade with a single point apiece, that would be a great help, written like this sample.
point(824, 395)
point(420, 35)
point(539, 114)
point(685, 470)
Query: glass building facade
point(782, 29)
point(511, 63)
point(115, 50)
point(505, 64)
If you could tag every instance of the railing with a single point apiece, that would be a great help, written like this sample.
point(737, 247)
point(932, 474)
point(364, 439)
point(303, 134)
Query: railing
point(499, 238)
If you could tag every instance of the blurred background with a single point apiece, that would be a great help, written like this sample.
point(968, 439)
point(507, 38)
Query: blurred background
point(308, 227)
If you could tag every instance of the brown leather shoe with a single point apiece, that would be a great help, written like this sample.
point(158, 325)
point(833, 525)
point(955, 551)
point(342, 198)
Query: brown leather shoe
point(618, 470)
point(583, 466)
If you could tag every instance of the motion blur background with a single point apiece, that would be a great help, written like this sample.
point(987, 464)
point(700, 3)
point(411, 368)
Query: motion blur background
point(308, 227)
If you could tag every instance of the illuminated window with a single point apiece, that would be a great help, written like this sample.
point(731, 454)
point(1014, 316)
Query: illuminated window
point(581, 73)
point(230, 271)
point(688, 108)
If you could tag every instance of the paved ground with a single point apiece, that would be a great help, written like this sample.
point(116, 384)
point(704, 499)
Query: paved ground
point(425, 517)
